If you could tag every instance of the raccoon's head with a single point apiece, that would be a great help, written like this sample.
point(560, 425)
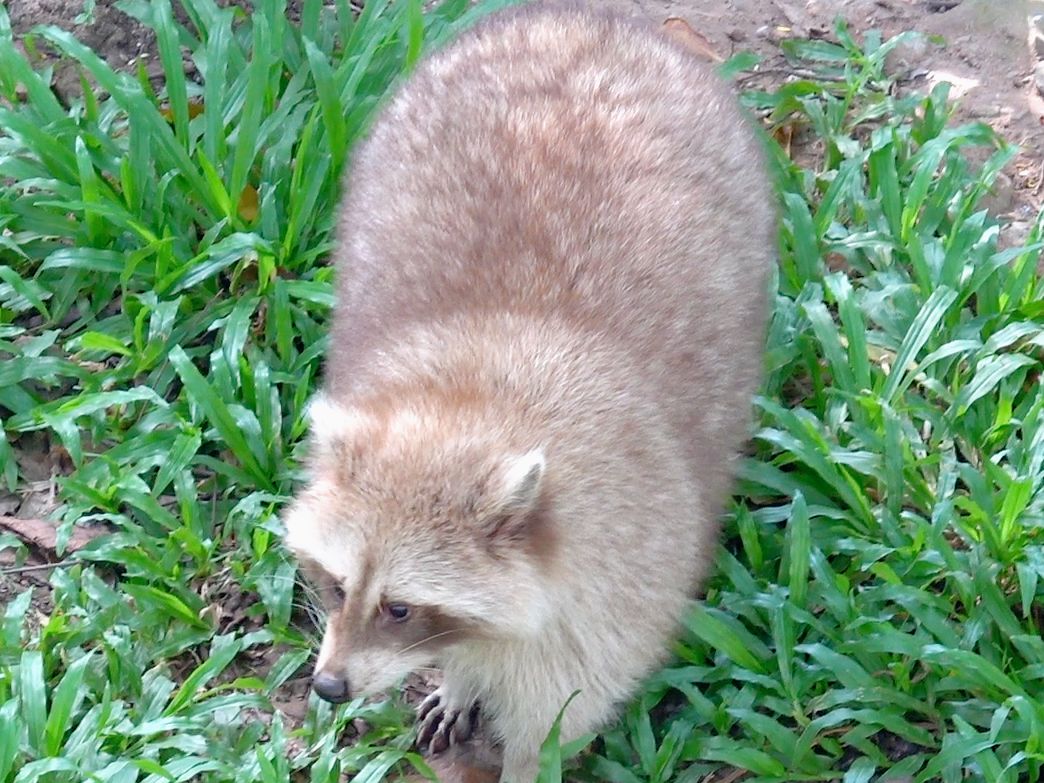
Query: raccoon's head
point(420, 530)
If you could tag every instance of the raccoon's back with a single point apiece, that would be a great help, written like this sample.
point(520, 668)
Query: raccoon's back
point(567, 163)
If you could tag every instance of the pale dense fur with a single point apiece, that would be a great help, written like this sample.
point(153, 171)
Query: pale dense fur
point(553, 263)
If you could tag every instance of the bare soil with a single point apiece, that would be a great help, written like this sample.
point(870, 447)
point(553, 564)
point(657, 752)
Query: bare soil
point(989, 50)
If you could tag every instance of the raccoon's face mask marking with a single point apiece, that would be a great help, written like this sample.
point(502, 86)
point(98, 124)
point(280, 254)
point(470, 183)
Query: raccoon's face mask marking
point(368, 647)
point(417, 537)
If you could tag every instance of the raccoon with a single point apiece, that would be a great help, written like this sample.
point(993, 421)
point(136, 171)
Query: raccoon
point(553, 265)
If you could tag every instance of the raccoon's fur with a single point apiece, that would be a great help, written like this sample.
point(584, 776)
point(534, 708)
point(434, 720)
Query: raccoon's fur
point(553, 265)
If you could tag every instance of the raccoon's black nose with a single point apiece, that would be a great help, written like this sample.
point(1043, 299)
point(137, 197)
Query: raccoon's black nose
point(330, 687)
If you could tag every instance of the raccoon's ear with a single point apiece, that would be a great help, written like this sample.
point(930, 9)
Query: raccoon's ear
point(516, 494)
point(300, 530)
point(522, 483)
point(325, 417)
point(333, 428)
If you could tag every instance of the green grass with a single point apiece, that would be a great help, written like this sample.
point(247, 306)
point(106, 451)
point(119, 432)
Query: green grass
point(879, 603)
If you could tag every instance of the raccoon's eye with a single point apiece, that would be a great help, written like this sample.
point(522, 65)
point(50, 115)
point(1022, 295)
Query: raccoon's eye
point(398, 613)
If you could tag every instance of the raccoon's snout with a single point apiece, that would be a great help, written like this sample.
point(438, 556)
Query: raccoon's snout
point(330, 687)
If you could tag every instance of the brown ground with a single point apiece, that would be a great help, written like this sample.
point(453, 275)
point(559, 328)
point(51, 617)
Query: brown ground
point(993, 54)
point(990, 50)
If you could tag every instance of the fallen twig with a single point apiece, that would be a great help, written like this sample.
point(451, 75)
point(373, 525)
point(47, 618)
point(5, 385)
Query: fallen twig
point(37, 567)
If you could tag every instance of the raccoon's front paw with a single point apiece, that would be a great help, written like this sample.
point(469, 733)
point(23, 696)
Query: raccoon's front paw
point(442, 722)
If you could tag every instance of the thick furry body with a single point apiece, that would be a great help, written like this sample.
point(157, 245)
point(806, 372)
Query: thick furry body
point(553, 268)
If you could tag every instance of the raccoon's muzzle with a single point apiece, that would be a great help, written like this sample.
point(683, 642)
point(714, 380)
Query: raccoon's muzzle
point(331, 688)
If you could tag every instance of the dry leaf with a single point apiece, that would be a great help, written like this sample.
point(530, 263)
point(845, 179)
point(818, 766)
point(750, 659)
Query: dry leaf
point(682, 32)
point(43, 535)
point(784, 136)
point(247, 207)
point(195, 108)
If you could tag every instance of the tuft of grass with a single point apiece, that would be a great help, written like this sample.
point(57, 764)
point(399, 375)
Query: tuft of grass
point(877, 611)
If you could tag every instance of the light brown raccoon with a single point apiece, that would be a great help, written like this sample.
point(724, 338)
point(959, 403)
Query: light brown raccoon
point(553, 266)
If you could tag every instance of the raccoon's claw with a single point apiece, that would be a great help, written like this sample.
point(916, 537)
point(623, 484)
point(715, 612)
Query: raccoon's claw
point(442, 722)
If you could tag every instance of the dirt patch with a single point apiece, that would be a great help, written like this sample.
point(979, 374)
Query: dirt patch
point(18, 575)
point(28, 539)
point(20, 572)
point(40, 463)
point(992, 52)
point(119, 38)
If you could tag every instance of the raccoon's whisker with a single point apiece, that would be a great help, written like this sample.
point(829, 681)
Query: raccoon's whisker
point(279, 578)
point(428, 639)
